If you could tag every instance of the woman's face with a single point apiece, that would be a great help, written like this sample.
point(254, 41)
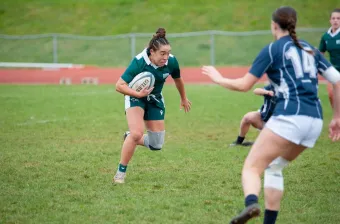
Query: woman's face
point(160, 56)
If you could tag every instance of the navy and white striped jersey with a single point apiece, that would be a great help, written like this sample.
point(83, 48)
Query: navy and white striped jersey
point(269, 103)
point(293, 73)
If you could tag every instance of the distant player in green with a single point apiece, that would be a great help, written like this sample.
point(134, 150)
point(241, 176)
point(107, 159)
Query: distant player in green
point(146, 108)
point(330, 42)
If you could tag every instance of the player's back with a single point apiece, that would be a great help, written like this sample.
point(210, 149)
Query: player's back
point(293, 73)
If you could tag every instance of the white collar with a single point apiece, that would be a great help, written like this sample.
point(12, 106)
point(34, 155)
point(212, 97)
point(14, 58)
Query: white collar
point(333, 34)
point(147, 59)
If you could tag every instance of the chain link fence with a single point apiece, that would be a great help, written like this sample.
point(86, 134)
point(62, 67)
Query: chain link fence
point(191, 49)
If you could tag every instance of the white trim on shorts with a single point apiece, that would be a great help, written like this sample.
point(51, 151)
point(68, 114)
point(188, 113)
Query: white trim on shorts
point(127, 102)
point(299, 129)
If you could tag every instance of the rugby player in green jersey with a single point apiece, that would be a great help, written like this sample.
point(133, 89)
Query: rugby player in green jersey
point(146, 108)
point(330, 42)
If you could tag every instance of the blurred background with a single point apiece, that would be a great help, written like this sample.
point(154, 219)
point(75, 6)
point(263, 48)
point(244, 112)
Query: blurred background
point(108, 33)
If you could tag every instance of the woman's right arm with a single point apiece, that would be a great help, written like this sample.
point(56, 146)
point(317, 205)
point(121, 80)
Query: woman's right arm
point(123, 88)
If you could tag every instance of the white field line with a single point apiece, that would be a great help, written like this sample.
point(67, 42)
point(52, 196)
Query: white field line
point(33, 121)
point(63, 95)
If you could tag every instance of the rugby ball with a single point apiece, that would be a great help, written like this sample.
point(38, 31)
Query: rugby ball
point(142, 80)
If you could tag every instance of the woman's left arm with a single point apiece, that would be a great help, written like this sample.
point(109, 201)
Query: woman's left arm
point(185, 103)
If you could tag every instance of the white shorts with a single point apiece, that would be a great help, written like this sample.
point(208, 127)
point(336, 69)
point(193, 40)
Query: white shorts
point(299, 129)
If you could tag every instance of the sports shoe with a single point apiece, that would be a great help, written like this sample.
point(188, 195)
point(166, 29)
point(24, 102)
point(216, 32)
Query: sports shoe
point(119, 177)
point(241, 144)
point(125, 135)
point(247, 143)
point(235, 143)
point(248, 213)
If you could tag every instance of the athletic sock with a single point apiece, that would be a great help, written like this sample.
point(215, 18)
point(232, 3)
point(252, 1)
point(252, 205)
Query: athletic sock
point(146, 141)
point(239, 140)
point(270, 216)
point(250, 199)
point(122, 168)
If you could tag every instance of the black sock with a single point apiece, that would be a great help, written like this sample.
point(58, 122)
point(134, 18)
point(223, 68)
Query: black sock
point(240, 139)
point(270, 216)
point(250, 199)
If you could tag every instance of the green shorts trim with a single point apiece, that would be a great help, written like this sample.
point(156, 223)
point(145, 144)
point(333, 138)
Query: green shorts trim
point(153, 106)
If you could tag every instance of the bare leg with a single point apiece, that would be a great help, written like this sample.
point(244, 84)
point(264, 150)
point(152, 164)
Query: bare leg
point(134, 117)
point(252, 118)
point(272, 199)
point(151, 125)
point(267, 147)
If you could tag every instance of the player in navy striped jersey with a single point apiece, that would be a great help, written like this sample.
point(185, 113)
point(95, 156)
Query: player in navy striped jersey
point(292, 67)
point(257, 119)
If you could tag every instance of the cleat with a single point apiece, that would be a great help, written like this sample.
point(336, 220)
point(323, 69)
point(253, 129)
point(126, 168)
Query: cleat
point(248, 213)
point(241, 144)
point(235, 144)
point(119, 178)
point(247, 143)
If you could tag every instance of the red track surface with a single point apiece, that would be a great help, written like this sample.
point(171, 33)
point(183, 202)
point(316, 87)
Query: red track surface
point(104, 75)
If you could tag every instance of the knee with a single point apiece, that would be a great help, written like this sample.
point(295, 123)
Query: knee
point(136, 135)
point(247, 118)
point(156, 140)
point(273, 177)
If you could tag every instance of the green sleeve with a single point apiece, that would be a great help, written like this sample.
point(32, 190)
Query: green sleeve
point(131, 71)
point(322, 45)
point(176, 72)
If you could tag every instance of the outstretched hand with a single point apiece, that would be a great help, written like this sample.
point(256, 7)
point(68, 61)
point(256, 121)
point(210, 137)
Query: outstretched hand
point(334, 130)
point(186, 104)
point(212, 73)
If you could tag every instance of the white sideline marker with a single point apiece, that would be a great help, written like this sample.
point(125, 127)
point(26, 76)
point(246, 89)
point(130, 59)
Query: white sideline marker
point(39, 65)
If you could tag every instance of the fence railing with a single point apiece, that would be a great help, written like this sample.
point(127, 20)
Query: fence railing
point(192, 48)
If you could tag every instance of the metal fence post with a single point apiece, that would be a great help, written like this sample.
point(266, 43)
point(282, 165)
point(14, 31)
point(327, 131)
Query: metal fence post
point(133, 45)
point(55, 48)
point(212, 48)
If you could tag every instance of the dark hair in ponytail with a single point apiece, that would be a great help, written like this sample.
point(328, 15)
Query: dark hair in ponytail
point(286, 18)
point(158, 39)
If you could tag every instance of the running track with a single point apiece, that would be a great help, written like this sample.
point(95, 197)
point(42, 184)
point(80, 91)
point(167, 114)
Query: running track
point(104, 75)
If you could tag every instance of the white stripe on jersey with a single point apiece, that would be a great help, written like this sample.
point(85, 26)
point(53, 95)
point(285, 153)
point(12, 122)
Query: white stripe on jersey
point(323, 64)
point(270, 52)
point(271, 58)
point(284, 65)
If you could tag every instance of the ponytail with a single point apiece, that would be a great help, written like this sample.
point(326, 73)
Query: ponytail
point(158, 39)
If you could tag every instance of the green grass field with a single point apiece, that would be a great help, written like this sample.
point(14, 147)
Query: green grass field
point(60, 146)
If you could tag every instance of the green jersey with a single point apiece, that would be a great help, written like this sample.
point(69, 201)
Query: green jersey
point(331, 42)
point(142, 63)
